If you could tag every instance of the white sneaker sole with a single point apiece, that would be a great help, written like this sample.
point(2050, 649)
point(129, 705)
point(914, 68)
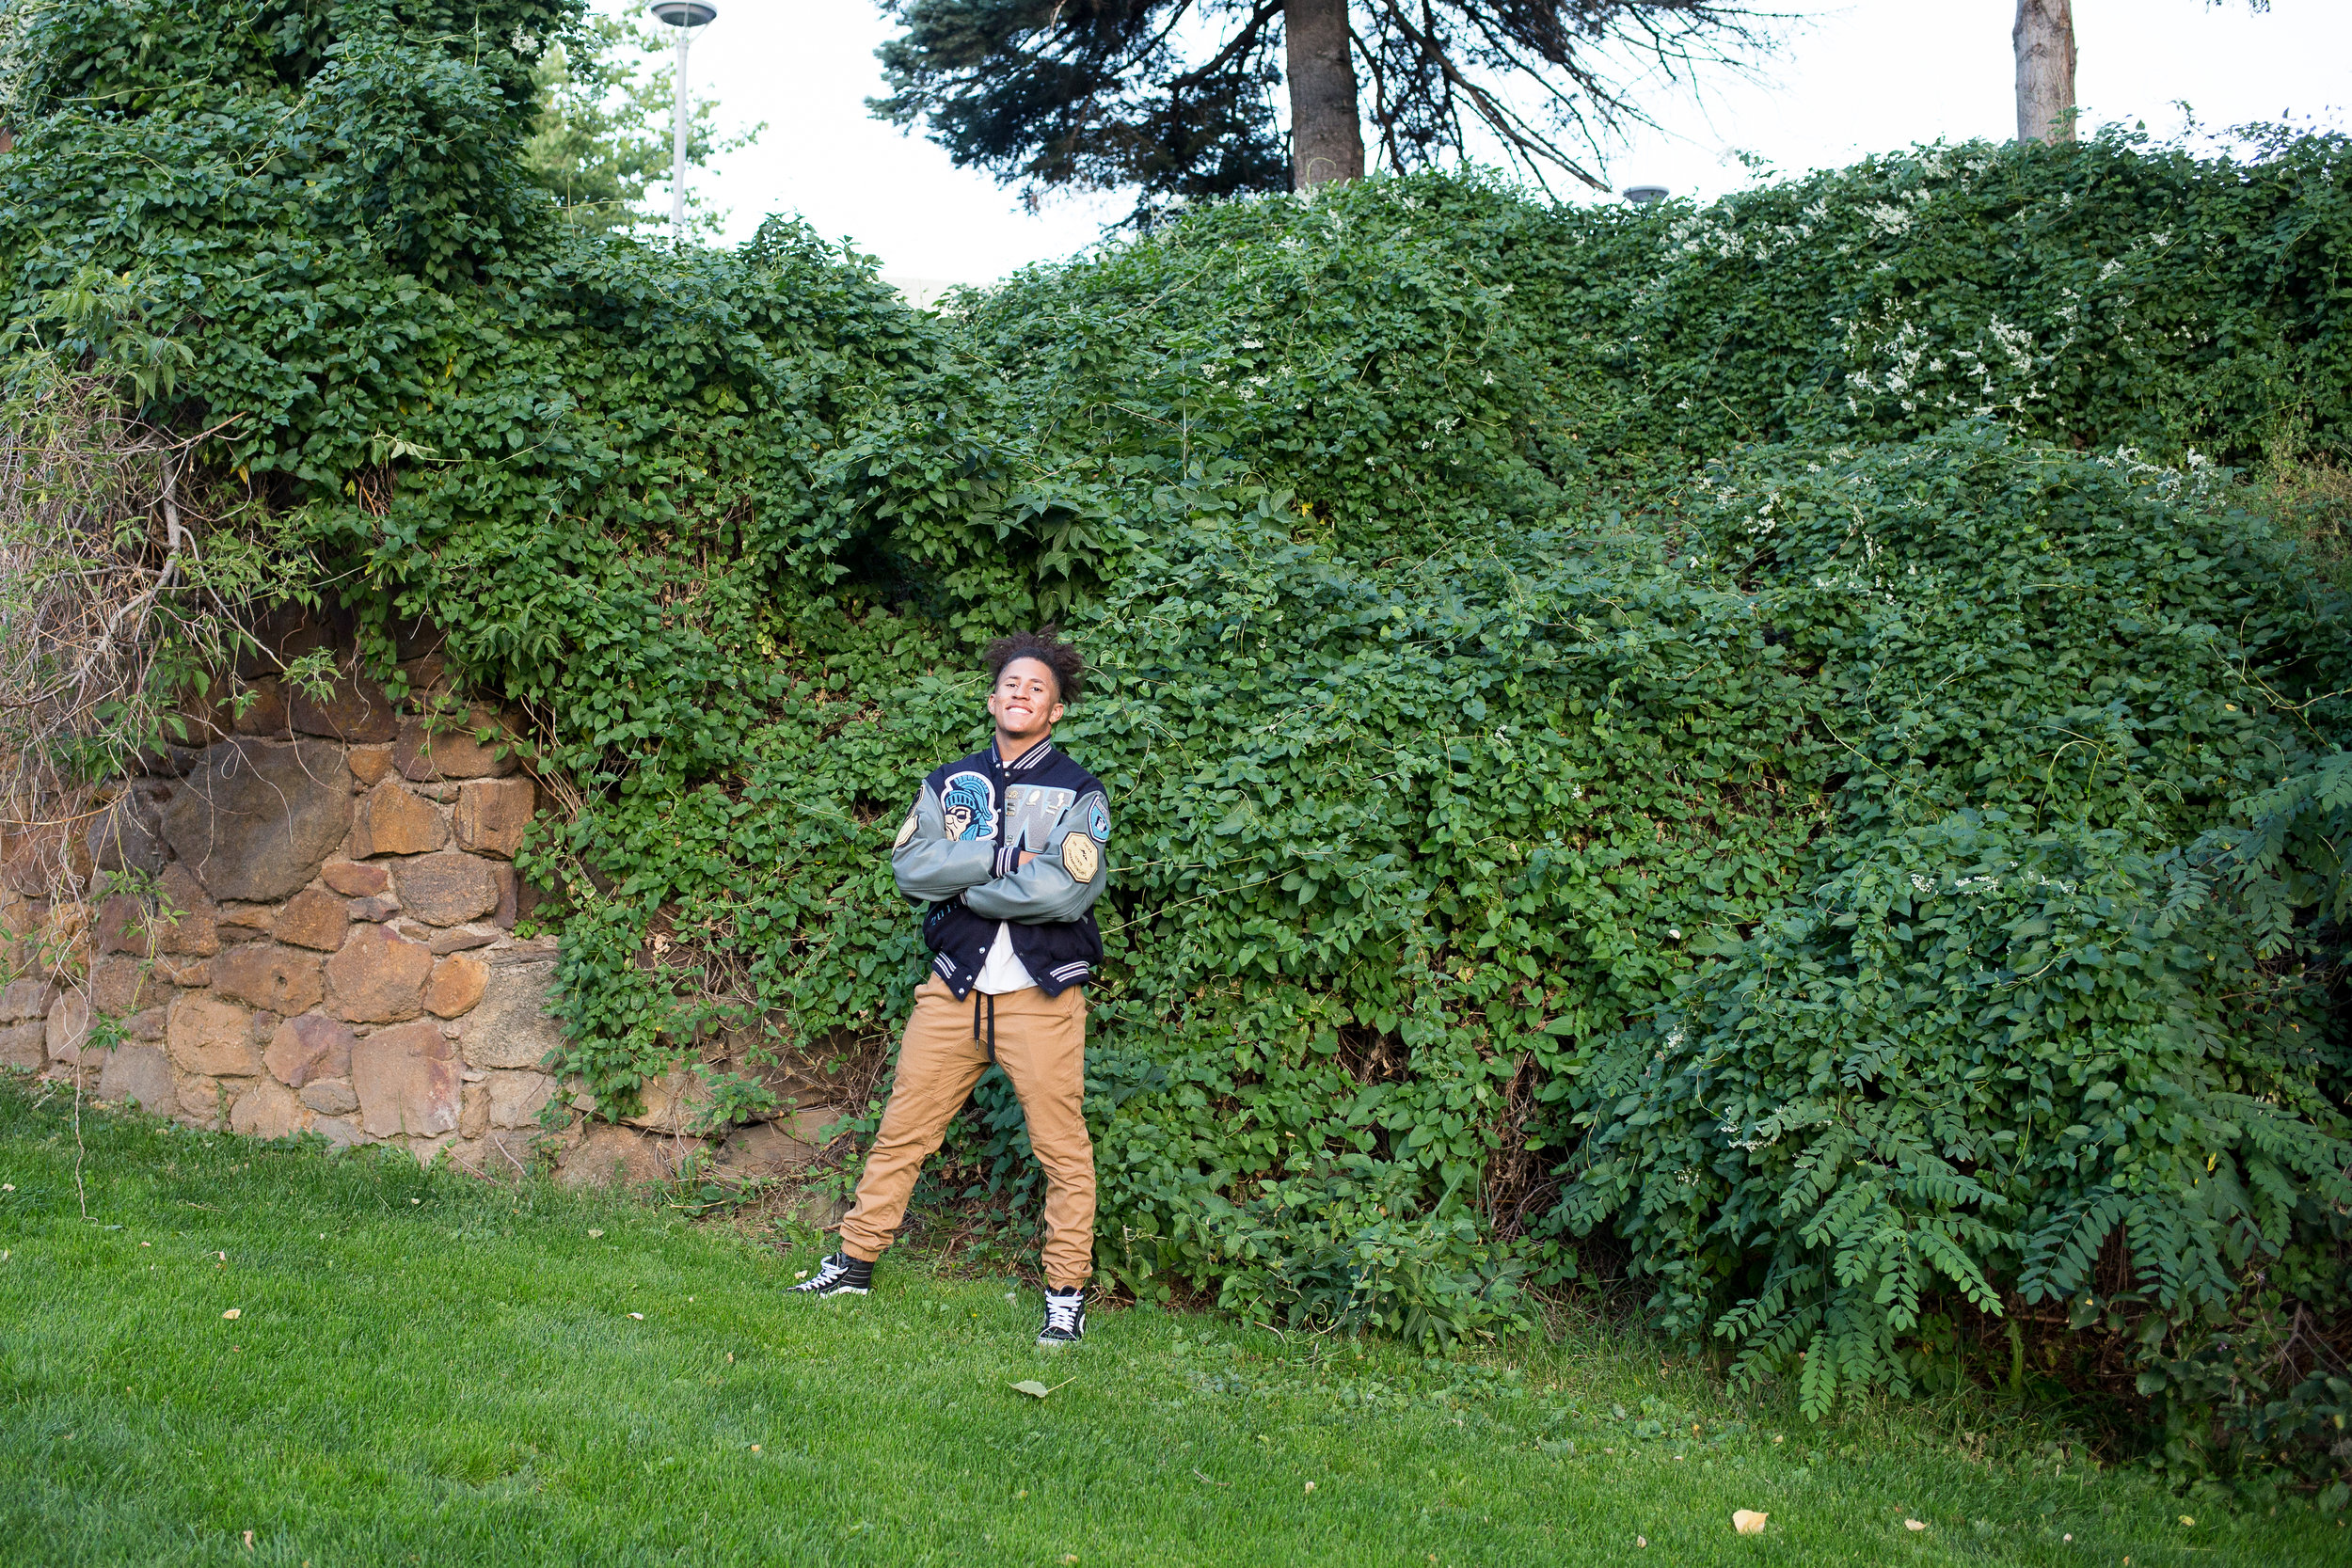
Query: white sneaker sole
point(836, 1291)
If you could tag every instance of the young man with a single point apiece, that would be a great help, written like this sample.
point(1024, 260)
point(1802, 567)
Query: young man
point(1007, 846)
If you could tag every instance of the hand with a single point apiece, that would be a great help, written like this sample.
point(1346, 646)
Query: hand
point(1023, 858)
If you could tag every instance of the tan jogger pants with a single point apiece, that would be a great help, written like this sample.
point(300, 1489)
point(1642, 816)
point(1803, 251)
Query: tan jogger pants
point(1041, 1043)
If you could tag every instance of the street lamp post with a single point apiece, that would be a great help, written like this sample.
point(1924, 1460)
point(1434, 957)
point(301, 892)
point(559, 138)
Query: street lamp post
point(685, 15)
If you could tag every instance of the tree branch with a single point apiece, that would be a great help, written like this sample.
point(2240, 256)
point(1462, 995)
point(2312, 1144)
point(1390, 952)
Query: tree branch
point(1265, 12)
point(1499, 117)
point(176, 538)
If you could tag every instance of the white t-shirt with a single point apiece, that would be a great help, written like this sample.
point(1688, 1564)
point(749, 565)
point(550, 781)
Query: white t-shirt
point(1003, 971)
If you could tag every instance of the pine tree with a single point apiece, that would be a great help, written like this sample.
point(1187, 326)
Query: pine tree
point(1177, 98)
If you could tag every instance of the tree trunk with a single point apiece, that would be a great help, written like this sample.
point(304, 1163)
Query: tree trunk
point(2044, 37)
point(1326, 140)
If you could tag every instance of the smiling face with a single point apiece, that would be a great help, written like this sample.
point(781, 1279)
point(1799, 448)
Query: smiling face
point(1027, 704)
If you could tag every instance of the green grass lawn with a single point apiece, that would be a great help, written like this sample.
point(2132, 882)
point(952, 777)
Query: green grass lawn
point(426, 1369)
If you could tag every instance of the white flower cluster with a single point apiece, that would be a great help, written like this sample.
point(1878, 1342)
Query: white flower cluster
point(1887, 218)
point(1909, 355)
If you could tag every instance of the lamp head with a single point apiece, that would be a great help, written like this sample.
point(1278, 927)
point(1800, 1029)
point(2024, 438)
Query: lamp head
point(1643, 196)
point(684, 13)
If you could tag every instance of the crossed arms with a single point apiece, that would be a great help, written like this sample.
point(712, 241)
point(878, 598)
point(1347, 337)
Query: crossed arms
point(1004, 883)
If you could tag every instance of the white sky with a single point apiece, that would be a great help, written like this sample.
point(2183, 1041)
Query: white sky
point(1851, 77)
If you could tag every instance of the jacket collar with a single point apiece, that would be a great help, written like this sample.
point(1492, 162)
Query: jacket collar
point(1035, 756)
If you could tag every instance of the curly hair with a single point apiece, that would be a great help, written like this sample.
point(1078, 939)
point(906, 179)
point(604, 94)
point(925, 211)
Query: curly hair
point(1046, 647)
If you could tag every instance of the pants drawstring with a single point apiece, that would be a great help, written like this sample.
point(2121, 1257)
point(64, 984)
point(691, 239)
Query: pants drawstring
point(977, 995)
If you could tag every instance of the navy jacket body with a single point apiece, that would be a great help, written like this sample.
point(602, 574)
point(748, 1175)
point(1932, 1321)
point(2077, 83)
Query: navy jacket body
point(959, 852)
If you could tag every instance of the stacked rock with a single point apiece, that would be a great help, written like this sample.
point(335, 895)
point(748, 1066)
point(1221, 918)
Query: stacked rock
point(322, 940)
point(328, 945)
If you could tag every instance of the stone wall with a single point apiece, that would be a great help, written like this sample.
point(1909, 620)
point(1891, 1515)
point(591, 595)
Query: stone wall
point(325, 944)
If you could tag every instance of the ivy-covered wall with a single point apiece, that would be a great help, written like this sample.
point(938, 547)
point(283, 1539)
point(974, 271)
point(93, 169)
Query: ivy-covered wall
point(1700, 742)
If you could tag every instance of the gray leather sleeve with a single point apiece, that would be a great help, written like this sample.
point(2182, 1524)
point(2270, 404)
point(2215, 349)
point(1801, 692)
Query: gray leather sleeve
point(1045, 890)
point(927, 863)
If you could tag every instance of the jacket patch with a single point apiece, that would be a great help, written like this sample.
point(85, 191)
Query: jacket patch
point(1080, 858)
point(1098, 819)
point(969, 805)
point(1030, 813)
point(906, 833)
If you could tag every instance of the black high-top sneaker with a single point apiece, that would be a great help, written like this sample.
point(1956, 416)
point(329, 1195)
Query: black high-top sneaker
point(839, 1276)
point(1065, 1316)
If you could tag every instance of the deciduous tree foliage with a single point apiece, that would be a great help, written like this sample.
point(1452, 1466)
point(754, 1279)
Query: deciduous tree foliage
point(602, 137)
point(1751, 742)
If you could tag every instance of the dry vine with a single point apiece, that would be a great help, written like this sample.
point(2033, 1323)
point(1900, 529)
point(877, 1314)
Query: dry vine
point(124, 599)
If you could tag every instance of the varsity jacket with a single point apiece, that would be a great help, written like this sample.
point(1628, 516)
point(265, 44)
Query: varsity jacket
point(959, 850)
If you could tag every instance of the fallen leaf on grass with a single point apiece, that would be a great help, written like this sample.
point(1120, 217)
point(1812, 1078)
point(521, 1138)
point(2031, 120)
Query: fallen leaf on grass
point(1640, 1541)
point(639, 1316)
point(1747, 1521)
point(2186, 1520)
point(596, 1235)
point(234, 1313)
point(1310, 1486)
point(1916, 1524)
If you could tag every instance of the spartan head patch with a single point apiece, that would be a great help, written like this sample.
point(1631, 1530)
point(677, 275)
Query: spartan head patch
point(969, 806)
